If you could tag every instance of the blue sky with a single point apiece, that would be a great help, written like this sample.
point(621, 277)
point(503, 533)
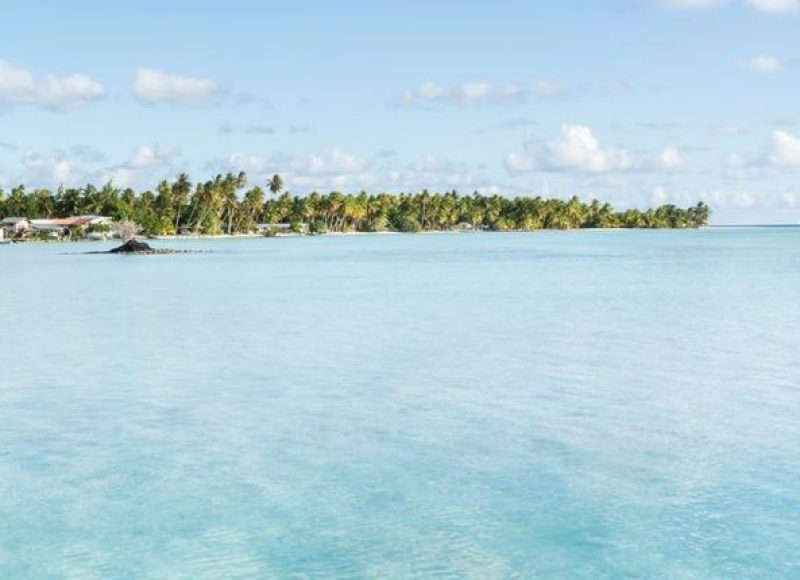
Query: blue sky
point(639, 102)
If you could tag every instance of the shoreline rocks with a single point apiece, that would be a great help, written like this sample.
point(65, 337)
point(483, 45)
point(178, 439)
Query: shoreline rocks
point(133, 246)
point(137, 248)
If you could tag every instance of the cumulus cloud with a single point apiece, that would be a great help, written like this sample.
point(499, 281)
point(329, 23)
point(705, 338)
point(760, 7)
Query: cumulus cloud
point(147, 156)
point(342, 170)
point(18, 86)
point(575, 148)
point(432, 172)
point(670, 159)
point(775, 6)
point(578, 148)
point(152, 87)
point(477, 93)
point(147, 165)
point(79, 165)
point(332, 162)
point(44, 170)
point(333, 168)
point(736, 198)
point(762, 64)
point(785, 150)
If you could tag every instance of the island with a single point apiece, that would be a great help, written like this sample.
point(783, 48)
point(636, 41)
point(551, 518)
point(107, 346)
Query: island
point(225, 205)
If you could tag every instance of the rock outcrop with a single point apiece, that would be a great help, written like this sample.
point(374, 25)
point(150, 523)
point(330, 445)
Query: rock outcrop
point(133, 247)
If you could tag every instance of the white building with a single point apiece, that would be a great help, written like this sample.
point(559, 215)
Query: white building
point(14, 226)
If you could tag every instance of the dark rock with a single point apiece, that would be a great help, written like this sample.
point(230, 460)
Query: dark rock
point(133, 247)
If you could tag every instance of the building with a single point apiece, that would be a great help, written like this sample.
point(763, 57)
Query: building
point(280, 228)
point(48, 227)
point(14, 227)
point(75, 227)
point(80, 226)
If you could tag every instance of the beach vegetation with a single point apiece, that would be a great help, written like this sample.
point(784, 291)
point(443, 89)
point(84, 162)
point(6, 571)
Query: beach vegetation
point(225, 204)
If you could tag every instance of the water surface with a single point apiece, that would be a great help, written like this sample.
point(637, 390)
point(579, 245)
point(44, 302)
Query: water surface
point(584, 404)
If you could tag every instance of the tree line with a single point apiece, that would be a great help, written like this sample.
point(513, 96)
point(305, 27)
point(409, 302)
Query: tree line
point(225, 204)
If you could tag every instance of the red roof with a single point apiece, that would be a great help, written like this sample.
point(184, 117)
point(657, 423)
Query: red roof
point(72, 221)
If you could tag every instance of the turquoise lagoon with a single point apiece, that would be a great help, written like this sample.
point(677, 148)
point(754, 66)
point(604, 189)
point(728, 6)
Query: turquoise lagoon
point(578, 405)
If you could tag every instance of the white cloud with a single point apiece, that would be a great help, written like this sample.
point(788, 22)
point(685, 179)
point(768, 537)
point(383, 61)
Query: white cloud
point(19, 87)
point(327, 163)
point(477, 93)
point(147, 165)
point(731, 198)
point(332, 162)
point(333, 168)
point(45, 170)
point(146, 156)
point(720, 198)
point(521, 162)
point(775, 6)
point(659, 196)
point(762, 64)
point(152, 87)
point(432, 173)
point(338, 169)
point(785, 150)
point(576, 148)
point(670, 159)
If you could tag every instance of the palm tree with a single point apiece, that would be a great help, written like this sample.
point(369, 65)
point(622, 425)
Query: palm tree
point(574, 211)
point(219, 201)
point(180, 196)
point(229, 201)
point(44, 205)
point(275, 184)
point(164, 201)
point(254, 202)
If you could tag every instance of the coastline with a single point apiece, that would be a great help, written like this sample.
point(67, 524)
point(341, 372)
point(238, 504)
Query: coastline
point(212, 237)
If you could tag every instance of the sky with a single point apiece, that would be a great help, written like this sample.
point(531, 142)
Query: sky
point(636, 102)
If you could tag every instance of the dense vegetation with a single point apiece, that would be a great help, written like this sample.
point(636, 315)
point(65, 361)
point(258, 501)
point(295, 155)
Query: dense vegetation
point(225, 205)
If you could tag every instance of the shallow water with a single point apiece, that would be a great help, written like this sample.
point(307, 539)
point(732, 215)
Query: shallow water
point(586, 404)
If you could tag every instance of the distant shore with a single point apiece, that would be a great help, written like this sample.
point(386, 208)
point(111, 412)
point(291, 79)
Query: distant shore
point(212, 237)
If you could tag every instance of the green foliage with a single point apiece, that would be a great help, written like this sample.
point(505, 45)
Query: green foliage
point(45, 236)
point(99, 228)
point(210, 225)
point(318, 227)
point(407, 224)
point(149, 221)
point(503, 224)
point(165, 226)
point(378, 223)
point(221, 205)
